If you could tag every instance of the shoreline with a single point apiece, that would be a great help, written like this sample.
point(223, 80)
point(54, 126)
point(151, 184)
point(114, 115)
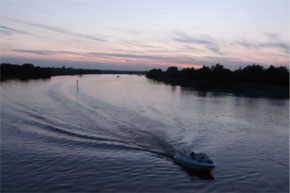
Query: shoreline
point(254, 80)
point(30, 72)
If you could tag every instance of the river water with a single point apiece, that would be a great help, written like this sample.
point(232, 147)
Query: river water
point(110, 134)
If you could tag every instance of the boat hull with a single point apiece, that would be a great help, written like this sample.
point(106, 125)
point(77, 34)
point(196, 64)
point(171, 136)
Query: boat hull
point(192, 164)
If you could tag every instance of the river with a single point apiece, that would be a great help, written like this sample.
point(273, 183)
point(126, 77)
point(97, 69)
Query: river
point(119, 134)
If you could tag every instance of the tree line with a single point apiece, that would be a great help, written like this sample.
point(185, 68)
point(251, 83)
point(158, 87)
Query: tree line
point(29, 71)
point(217, 77)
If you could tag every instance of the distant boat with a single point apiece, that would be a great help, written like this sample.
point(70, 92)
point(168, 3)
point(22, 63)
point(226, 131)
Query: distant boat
point(195, 161)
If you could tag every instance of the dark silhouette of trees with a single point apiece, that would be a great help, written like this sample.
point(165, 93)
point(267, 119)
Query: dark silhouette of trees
point(259, 75)
point(172, 70)
point(25, 71)
point(28, 71)
point(71, 71)
point(220, 74)
point(252, 79)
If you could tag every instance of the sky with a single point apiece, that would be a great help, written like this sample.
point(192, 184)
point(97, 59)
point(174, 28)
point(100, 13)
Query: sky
point(144, 34)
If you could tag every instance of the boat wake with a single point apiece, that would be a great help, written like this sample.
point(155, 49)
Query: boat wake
point(104, 125)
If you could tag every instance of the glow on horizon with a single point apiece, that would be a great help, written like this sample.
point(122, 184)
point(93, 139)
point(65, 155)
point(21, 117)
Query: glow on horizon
point(147, 34)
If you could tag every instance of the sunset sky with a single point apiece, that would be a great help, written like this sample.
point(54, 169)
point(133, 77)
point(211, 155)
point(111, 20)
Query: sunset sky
point(144, 34)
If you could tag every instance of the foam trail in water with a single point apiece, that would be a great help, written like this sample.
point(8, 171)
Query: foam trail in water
point(106, 124)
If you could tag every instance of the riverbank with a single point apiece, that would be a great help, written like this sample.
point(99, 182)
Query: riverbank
point(29, 71)
point(250, 81)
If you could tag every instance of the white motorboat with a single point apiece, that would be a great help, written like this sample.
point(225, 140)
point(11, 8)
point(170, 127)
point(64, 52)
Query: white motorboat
point(196, 161)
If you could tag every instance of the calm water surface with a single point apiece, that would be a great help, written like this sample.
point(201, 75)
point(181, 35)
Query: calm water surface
point(119, 135)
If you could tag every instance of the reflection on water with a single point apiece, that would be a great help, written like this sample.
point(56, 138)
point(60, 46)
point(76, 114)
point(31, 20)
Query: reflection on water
point(201, 175)
point(104, 133)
